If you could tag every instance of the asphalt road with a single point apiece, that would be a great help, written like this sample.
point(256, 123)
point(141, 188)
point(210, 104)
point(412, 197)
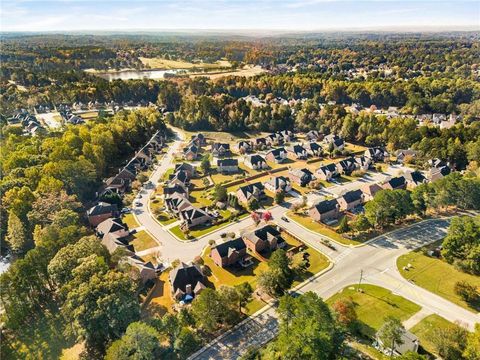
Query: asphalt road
point(378, 262)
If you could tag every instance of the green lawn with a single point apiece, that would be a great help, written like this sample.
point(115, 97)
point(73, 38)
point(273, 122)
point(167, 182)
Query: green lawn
point(200, 230)
point(426, 328)
point(129, 219)
point(165, 219)
point(142, 241)
point(315, 226)
point(429, 273)
point(374, 305)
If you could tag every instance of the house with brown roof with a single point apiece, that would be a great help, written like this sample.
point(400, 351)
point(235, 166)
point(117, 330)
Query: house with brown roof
point(186, 280)
point(101, 212)
point(369, 191)
point(188, 168)
point(350, 200)
point(146, 270)
point(325, 210)
point(265, 238)
point(112, 226)
point(229, 252)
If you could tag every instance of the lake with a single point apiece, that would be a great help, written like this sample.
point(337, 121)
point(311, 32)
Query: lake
point(135, 74)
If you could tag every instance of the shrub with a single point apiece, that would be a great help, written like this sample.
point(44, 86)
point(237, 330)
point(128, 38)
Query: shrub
point(467, 292)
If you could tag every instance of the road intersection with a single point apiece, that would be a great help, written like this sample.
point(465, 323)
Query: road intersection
point(376, 258)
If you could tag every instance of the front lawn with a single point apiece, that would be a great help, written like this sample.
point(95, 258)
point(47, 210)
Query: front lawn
point(426, 328)
point(430, 273)
point(142, 241)
point(165, 219)
point(374, 304)
point(317, 227)
point(130, 221)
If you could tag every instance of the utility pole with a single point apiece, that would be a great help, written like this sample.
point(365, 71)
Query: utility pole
point(360, 280)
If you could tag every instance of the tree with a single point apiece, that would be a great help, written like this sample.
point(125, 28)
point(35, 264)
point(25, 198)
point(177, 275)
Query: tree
point(309, 331)
point(244, 292)
point(345, 312)
point(266, 216)
point(472, 348)
point(410, 355)
point(343, 227)
point(205, 164)
point(220, 192)
point(185, 343)
point(208, 310)
point(361, 223)
point(140, 342)
point(388, 206)
point(100, 307)
point(279, 197)
point(391, 333)
point(467, 292)
point(253, 204)
point(461, 246)
point(450, 341)
point(279, 276)
point(17, 237)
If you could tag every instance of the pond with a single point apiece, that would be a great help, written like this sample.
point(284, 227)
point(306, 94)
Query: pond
point(135, 74)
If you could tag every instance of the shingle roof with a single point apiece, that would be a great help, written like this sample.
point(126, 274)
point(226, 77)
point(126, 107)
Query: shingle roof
point(352, 196)
point(184, 275)
point(326, 206)
point(224, 248)
point(102, 208)
point(227, 162)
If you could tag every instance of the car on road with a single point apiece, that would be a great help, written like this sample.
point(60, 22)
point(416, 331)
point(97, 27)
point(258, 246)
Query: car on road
point(285, 219)
point(138, 204)
point(126, 210)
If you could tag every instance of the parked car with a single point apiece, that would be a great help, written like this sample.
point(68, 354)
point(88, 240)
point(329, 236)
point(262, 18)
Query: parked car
point(138, 203)
point(126, 210)
point(285, 219)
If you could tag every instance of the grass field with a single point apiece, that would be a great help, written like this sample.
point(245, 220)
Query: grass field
point(374, 305)
point(142, 241)
point(426, 328)
point(161, 301)
point(429, 273)
point(317, 227)
point(247, 71)
point(129, 219)
point(161, 63)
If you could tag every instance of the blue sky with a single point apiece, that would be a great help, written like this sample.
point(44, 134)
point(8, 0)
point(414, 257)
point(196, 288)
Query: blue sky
point(291, 15)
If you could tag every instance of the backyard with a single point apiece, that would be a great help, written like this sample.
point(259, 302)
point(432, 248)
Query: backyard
point(374, 304)
point(429, 273)
point(142, 241)
point(425, 330)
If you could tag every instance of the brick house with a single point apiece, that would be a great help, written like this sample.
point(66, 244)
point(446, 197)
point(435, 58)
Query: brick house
point(395, 183)
point(278, 184)
point(251, 191)
point(265, 238)
point(277, 156)
point(101, 212)
point(186, 280)
point(301, 177)
point(229, 252)
point(350, 200)
point(297, 152)
point(325, 210)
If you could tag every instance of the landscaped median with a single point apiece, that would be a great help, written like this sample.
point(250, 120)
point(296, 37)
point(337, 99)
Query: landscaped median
point(435, 275)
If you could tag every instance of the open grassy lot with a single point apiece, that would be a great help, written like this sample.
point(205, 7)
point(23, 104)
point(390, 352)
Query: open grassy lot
point(426, 328)
point(161, 63)
point(429, 273)
point(374, 304)
point(142, 241)
point(246, 71)
point(161, 301)
point(355, 148)
point(130, 221)
point(315, 226)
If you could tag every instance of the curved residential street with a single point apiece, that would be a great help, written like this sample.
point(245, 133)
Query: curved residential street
point(377, 259)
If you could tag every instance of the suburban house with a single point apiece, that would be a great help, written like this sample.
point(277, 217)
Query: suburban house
point(188, 168)
point(190, 153)
point(220, 149)
point(313, 149)
point(115, 185)
point(287, 135)
point(314, 135)
point(199, 140)
point(259, 143)
point(363, 163)
point(301, 177)
point(274, 139)
point(278, 184)
point(186, 280)
point(176, 203)
point(251, 191)
point(227, 165)
point(376, 154)
point(337, 141)
point(409, 342)
point(438, 169)
point(414, 178)
point(229, 252)
point(146, 270)
point(265, 238)
point(326, 172)
point(101, 212)
point(255, 162)
point(179, 178)
point(395, 183)
point(403, 154)
point(112, 226)
point(113, 242)
point(169, 191)
point(369, 191)
point(193, 216)
point(278, 155)
point(325, 210)
point(346, 166)
point(297, 152)
point(350, 200)
point(244, 147)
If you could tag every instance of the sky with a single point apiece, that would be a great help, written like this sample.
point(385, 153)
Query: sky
point(262, 15)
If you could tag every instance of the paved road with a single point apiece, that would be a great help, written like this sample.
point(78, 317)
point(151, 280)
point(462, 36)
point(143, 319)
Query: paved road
point(378, 262)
